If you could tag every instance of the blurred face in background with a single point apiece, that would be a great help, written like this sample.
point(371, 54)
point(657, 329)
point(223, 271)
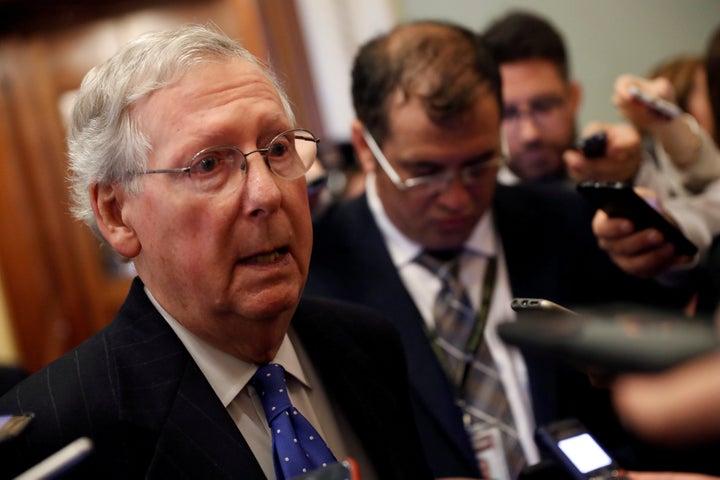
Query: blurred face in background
point(538, 118)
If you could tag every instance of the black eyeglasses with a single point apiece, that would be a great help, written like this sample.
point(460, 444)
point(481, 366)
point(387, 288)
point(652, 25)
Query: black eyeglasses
point(289, 155)
point(543, 111)
point(430, 185)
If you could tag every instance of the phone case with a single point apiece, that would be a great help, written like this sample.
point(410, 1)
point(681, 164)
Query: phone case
point(620, 200)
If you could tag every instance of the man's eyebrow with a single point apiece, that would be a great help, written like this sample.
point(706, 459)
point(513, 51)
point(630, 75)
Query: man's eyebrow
point(424, 163)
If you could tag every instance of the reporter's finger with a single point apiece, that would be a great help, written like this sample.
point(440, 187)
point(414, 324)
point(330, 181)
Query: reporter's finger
point(605, 227)
point(647, 264)
point(634, 243)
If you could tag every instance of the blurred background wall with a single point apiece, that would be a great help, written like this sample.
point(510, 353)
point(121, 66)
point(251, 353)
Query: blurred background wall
point(605, 38)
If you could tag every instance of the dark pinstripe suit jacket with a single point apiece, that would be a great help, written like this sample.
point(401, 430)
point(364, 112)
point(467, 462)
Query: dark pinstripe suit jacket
point(550, 253)
point(137, 393)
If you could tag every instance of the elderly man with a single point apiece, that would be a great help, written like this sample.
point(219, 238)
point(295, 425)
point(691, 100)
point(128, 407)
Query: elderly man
point(185, 158)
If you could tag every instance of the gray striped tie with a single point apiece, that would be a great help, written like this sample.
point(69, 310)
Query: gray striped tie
point(480, 389)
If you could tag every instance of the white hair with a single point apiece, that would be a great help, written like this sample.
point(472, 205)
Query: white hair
point(105, 144)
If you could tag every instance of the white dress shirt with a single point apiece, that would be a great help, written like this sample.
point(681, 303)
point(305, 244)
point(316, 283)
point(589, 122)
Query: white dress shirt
point(229, 376)
point(424, 286)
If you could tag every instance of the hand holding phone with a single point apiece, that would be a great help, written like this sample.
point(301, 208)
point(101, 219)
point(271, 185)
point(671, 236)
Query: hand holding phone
point(620, 200)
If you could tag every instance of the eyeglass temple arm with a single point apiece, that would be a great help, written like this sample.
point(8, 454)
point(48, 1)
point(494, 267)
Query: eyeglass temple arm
point(380, 157)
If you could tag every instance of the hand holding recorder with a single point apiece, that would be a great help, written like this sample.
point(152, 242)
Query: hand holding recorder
point(605, 152)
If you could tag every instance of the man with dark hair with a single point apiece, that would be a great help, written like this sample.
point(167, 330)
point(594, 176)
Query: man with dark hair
point(541, 100)
point(441, 250)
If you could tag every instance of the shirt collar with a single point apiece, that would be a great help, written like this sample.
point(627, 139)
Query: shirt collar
point(227, 374)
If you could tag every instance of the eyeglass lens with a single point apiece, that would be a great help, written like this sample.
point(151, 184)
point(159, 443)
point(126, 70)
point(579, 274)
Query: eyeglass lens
point(541, 110)
point(289, 155)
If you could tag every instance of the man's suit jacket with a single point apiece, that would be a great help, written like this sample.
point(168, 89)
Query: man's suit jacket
point(550, 253)
point(136, 392)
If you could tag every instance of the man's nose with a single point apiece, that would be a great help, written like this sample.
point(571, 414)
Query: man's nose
point(528, 127)
point(261, 193)
point(455, 194)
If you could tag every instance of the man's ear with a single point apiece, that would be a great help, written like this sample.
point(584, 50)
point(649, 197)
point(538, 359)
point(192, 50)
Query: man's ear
point(107, 203)
point(362, 151)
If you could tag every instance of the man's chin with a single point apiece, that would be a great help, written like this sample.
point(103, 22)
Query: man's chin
point(450, 241)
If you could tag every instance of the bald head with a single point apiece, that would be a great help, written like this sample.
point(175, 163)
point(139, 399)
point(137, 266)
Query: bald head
point(445, 66)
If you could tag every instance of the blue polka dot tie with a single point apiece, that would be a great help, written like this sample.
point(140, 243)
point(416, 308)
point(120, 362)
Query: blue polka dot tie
point(297, 446)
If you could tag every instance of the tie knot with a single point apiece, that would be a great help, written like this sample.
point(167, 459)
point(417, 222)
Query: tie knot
point(441, 263)
point(269, 381)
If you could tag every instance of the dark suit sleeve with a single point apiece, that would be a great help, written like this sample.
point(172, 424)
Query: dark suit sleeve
point(59, 396)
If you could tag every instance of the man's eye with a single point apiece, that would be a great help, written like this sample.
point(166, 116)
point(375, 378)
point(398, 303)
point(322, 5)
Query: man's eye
point(212, 161)
point(207, 164)
point(278, 149)
point(510, 113)
point(545, 105)
point(420, 171)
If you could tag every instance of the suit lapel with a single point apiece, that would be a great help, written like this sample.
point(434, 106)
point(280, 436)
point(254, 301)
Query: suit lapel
point(162, 390)
point(199, 439)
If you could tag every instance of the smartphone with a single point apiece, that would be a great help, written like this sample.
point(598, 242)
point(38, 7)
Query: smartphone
point(593, 146)
point(538, 305)
point(620, 200)
point(343, 470)
point(12, 425)
point(660, 107)
point(574, 447)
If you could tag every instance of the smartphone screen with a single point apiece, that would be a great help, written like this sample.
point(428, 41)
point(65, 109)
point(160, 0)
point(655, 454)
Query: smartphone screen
point(574, 448)
point(584, 452)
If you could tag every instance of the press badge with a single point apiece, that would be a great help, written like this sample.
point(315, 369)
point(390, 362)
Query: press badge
point(489, 452)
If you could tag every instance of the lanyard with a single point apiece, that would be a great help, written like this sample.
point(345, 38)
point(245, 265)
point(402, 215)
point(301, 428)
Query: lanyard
point(476, 335)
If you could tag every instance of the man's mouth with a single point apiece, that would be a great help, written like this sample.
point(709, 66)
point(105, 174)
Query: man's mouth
point(266, 257)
